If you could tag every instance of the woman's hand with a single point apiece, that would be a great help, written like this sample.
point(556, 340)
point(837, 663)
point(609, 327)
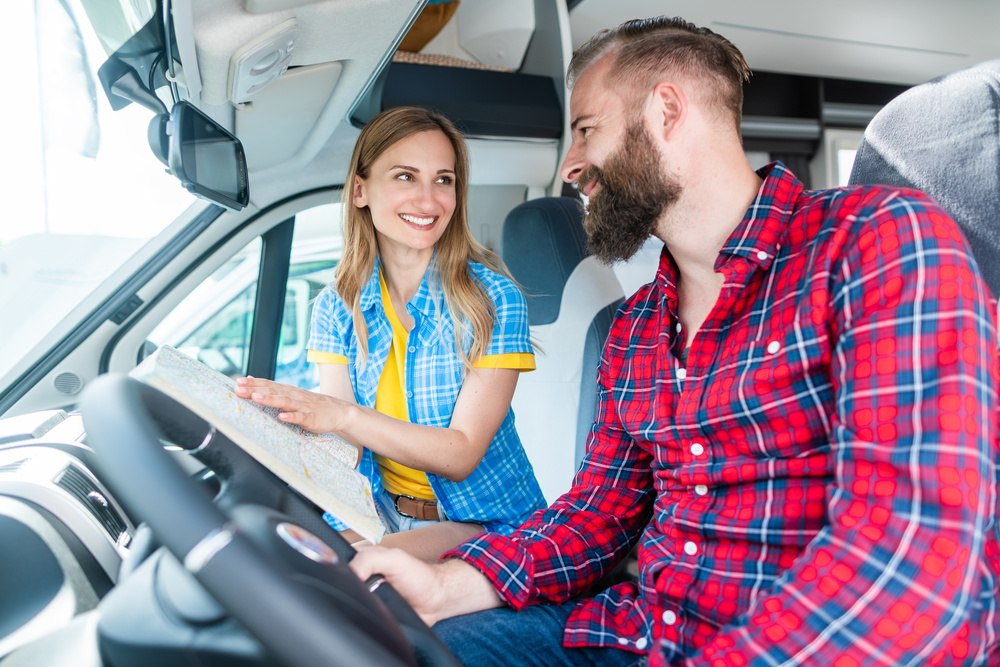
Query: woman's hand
point(312, 411)
point(452, 452)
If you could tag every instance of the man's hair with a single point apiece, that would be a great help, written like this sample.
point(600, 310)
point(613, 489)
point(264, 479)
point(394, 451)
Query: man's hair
point(646, 50)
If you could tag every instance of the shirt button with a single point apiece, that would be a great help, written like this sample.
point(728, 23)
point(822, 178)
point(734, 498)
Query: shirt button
point(640, 643)
point(412, 349)
point(409, 394)
point(700, 489)
point(773, 347)
point(681, 373)
point(761, 255)
point(669, 617)
point(679, 327)
point(622, 641)
point(697, 449)
point(690, 548)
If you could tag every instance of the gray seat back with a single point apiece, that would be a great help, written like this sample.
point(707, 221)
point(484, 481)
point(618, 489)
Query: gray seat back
point(572, 299)
point(943, 137)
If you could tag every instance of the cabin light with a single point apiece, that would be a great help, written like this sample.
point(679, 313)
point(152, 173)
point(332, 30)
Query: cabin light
point(260, 62)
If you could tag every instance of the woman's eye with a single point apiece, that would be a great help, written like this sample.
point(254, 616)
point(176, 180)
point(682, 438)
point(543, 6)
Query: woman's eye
point(445, 180)
point(404, 177)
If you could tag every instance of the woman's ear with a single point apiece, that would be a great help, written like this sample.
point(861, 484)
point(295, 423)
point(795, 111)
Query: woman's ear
point(360, 199)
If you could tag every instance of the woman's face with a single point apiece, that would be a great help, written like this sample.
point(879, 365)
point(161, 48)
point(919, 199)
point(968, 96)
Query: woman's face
point(410, 192)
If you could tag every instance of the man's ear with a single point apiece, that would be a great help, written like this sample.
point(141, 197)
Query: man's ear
point(670, 105)
point(360, 199)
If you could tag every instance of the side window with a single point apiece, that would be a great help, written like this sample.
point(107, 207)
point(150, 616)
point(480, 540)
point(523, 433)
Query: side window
point(214, 323)
point(305, 282)
point(832, 164)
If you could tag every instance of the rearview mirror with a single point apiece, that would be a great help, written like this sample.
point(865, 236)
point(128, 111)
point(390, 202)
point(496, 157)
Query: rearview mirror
point(207, 158)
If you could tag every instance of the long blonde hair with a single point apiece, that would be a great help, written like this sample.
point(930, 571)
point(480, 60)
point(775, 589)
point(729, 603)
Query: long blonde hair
point(470, 307)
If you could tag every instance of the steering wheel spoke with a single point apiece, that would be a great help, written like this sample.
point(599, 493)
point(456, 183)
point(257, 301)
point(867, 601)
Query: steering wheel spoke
point(281, 575)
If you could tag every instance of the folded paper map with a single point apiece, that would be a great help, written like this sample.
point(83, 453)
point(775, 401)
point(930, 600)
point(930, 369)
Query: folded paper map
point(320, 466)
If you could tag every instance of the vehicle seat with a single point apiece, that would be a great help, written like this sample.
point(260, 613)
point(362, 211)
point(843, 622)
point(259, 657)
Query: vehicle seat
point(572, 299)
point(943, 137)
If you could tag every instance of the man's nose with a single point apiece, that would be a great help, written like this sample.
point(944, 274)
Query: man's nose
point(573, 165)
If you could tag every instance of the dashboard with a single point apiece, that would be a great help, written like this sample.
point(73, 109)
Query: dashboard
point(71, 535)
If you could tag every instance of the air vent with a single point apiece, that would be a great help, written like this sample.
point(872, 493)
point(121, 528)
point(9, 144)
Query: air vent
point(68, 383)
point(12, 468)
point(74, 481)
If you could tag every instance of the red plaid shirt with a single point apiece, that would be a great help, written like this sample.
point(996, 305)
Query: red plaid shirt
point(818, 484)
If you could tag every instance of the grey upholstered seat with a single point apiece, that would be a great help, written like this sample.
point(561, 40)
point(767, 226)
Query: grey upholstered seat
point(943, 137)
point(572, 300)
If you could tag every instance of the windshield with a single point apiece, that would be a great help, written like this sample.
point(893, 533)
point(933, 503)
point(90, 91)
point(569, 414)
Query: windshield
point(81, 187)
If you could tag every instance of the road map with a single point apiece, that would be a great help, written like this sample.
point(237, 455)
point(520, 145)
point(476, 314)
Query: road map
point(319, 466)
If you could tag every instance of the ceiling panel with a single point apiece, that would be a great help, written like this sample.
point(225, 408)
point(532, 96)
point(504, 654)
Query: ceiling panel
point(892, 41)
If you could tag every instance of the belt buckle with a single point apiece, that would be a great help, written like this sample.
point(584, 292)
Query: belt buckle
point(395, 504)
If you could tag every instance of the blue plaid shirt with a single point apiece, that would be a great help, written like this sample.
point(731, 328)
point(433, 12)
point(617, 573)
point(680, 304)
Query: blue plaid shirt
point(502, 492)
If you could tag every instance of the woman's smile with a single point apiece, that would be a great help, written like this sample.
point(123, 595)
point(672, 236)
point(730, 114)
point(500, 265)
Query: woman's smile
point(418, 221)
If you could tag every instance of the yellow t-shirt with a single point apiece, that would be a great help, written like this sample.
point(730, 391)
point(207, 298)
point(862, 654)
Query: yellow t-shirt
point(390, 398)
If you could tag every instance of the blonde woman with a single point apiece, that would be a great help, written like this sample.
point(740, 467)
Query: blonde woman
point(419, 342)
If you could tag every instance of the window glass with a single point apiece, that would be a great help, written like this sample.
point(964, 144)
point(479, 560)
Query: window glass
point(831, 166)
point(845, 163)
point(81, 188)
point(317, 245)
point(214, 323)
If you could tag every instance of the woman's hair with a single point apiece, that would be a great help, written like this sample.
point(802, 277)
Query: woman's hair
point(470, 306)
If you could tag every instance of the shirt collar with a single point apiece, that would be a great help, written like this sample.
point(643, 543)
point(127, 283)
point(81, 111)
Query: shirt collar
point(371, 292)
point(758, 236)
point(423, 301)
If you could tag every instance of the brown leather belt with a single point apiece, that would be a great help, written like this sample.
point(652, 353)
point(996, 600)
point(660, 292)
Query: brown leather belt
point(416, 508)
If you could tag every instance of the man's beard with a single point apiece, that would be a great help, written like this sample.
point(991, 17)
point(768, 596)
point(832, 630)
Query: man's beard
point(631, 196)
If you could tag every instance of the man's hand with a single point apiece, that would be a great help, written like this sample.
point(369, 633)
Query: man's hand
point(435, 592)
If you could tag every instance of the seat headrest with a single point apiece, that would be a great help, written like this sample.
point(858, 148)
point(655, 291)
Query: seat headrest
point(943, 137)
point(543, 241)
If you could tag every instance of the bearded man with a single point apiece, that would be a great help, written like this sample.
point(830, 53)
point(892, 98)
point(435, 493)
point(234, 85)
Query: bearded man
point(796, 417)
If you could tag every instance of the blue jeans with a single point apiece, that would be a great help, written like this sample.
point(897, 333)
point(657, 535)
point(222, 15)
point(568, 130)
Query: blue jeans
point(530, 637)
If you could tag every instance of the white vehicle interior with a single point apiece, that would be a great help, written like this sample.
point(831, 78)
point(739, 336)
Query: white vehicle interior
point(83, 577)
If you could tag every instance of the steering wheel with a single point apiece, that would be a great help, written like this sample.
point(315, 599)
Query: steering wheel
point(288, 588)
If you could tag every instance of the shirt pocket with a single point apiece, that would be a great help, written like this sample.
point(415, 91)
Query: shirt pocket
point(436, 376)
point(781, 395)
point(642, 406)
